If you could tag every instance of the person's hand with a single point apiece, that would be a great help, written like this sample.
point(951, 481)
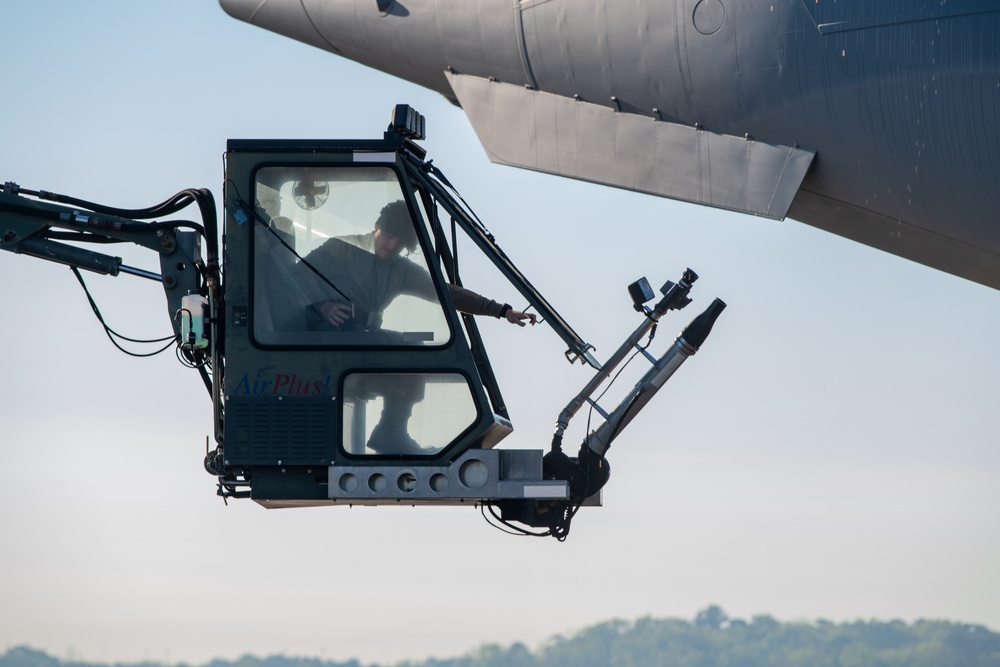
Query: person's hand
point(337, 312)
point(518, 317)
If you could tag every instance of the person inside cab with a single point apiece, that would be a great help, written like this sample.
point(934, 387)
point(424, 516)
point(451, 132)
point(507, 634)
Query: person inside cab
point(368, 273)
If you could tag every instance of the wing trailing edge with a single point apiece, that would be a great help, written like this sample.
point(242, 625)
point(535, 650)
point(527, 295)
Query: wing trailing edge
point(558, 135)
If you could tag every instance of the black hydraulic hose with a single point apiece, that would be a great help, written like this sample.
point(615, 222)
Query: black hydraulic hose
point(201, 196)
point(209, 216)
point(171, 205)
point(205, 378)
point(86, 222)
point(79, 237)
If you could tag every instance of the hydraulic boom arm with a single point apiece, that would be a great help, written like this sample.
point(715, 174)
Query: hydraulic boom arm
point(52, 227)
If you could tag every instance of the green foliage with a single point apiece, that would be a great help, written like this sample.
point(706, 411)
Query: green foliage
point(715, 640)
point(712, 639)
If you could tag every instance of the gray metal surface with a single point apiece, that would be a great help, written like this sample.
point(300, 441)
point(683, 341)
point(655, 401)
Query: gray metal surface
point(898, 99)
point(558, 135)
point(491, 474)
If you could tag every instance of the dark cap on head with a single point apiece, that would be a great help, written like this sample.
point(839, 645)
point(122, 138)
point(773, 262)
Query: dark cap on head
point(395, 219)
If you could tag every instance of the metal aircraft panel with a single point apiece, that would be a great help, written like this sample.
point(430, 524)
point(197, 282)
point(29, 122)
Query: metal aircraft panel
point(838, 17)
point(899, 100)
point(549, 133)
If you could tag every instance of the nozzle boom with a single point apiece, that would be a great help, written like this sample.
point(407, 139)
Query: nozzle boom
point(687, 344)
point(696, 332)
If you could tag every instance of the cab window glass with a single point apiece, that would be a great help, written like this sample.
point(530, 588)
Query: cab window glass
point(410, 414)
point(337, 261)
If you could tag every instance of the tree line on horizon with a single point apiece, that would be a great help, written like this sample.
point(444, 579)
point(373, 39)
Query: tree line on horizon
point(712, 639)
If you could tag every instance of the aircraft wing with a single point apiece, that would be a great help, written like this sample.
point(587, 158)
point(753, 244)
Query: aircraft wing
point(877, 121)
point(554, 134)
point(558, 135)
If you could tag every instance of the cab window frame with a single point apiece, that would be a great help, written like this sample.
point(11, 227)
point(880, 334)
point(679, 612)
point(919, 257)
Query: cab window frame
point(431, 262)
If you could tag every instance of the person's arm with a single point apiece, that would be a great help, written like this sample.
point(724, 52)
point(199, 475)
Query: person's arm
point(467, 301)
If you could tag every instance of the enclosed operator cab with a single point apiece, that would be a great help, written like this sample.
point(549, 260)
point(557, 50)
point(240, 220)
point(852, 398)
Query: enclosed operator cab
point(349, 374)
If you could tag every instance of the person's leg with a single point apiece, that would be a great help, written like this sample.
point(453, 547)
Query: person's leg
point(399, 395)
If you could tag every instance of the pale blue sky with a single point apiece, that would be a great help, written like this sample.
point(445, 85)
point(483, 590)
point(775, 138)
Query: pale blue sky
point(832, 452)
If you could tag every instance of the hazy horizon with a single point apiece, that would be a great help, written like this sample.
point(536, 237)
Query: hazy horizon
point(72, 657)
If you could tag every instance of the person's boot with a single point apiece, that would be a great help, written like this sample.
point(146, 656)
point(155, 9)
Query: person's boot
point(390, 437)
